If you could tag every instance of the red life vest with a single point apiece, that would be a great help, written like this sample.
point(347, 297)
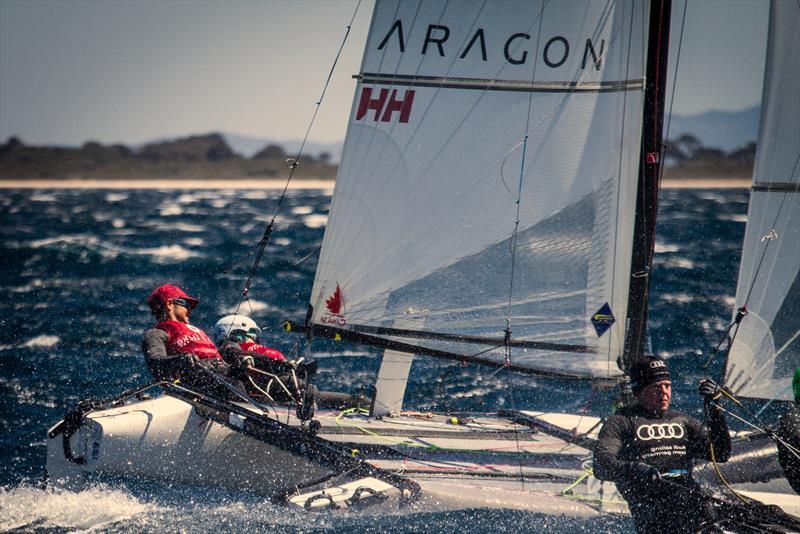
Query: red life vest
point(185, 338)
point(252, 346)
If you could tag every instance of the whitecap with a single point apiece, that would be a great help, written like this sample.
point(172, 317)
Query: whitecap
point(42, 197)
point(118, 223)
point(116, 197)
point(680, 298)
point(315, 221)
point(41, 341)
point(733, 217)
point(67, 238)
point(26, 507)
point(168, 253)
point(219, 203)
point(171, 209)
point(282, 241)
point(679, 263)
point(186, 227)
point(662, 248)
point(186, 199)
point(254, 195)
point(250, 307)
point(122, 232)
point(30, 286)
point(302, 210)
point(194, 241)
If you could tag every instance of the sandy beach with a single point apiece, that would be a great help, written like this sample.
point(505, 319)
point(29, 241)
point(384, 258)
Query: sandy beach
point(279, 184)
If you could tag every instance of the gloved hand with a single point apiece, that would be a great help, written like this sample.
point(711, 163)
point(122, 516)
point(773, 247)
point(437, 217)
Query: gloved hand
point(647, 472)
point(190, 359)
point(309, 367)
point(709, 390)
point(245, 361)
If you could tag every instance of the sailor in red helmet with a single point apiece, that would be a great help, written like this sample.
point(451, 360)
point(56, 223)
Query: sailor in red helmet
point(175, 349)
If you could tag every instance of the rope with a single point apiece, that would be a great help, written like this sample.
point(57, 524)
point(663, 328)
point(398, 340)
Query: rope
point(716, 465)
point(293, 163)
point(567, 491)
point(764, 428)
point(361, 411)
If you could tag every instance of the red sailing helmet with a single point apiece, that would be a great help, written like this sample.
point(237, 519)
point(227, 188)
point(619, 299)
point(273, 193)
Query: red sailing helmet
point(158, 299)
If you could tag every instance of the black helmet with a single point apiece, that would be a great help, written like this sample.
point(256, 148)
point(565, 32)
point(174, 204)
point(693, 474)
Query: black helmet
point(647, 371)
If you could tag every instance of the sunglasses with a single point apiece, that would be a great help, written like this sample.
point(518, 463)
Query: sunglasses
point(182, 302)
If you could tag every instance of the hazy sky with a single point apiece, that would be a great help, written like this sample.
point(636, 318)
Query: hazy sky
point(134, 71)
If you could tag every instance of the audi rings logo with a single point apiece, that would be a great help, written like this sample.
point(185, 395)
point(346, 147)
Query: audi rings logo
point(662, 431)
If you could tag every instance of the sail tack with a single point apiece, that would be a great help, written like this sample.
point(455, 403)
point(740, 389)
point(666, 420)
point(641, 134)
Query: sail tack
point(766, 348)
point(463, 113)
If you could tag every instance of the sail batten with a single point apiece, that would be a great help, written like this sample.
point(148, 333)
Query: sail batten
point(459, 117)
point(502, 85)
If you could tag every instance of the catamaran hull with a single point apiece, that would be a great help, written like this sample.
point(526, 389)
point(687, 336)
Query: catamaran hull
point(170, 440)
point(167, 439)
point(451, 464)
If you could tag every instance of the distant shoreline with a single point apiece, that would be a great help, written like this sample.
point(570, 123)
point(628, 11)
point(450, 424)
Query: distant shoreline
point(165, 184)
point(686, 183)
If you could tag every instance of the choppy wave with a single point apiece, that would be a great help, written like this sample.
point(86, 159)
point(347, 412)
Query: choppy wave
point(27, 508)
point(91, 259)
point(42, 341)
point(116, 197)
point(251, 307)
point(315, 221)
point(168, 253)
point(43, 197)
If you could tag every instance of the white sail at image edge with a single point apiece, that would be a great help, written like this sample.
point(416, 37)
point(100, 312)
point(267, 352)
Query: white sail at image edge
point(766, 348)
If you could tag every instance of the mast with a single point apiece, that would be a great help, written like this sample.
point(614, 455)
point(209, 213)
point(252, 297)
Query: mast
point(644, 237)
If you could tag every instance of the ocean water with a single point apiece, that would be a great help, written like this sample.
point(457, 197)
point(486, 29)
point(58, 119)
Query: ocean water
point(77, 266)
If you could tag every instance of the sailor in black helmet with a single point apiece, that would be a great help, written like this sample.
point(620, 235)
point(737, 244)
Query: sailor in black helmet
point(647, 450)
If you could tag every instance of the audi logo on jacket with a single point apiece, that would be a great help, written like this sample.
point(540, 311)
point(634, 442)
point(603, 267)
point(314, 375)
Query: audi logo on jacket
point(670, 443)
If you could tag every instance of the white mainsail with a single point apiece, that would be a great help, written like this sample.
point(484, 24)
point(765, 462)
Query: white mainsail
point(462, 110)
point(766, 348)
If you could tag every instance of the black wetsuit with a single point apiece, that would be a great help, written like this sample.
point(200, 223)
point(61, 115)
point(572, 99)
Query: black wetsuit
point(789, 431)
point(670, 443)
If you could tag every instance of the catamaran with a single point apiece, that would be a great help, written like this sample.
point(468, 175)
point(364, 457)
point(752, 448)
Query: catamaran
point(495, 206)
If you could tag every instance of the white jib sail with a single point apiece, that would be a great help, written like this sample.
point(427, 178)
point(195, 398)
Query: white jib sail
point(766, 349)
point(451, 95)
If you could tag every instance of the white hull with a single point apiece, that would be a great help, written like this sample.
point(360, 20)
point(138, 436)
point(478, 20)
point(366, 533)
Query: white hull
point(484, 462)
point(487, 463)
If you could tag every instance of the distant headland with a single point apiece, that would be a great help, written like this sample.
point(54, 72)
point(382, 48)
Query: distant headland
point(210, 158)
point(201, 157)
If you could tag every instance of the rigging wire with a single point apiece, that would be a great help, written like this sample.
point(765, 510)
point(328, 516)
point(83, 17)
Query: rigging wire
point(674, 84)
point(293, 163)
point(769, 237)
point(515, 234)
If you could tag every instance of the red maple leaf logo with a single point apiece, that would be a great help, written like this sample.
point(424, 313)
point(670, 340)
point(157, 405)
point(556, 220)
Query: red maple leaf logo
point(335, 304)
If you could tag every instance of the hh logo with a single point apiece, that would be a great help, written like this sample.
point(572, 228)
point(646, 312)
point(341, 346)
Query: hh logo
point(385, 104)
point(336, 309)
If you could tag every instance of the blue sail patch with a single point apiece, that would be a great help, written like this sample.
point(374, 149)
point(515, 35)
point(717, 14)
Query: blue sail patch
point(603, 319)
